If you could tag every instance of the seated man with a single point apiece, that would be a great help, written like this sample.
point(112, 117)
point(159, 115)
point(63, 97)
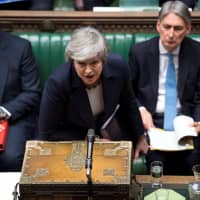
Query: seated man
point(153, 83)
point(19, 98)
point(86, 91)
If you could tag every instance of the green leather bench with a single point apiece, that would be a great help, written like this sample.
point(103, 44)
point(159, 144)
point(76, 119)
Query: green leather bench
point(49, 51)
point(49, 48)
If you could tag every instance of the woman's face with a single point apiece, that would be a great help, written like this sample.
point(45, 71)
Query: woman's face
point(89, 70)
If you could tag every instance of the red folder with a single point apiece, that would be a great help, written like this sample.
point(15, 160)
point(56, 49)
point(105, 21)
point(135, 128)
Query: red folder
point(3, 134)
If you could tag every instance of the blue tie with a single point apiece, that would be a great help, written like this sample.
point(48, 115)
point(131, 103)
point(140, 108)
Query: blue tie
point(170, 95)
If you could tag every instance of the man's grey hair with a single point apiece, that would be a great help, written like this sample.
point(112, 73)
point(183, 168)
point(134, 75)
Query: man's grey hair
point(178, 8)
point(86, 43)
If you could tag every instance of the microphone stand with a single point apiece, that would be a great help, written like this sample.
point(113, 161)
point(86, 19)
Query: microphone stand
point(88, 162)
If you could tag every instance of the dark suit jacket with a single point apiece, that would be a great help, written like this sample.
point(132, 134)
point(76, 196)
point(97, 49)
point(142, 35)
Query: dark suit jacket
point(65, 112)
point(144, 65)
point(20, 95)
point(19, 82)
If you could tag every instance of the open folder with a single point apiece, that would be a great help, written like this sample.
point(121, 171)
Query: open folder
point(179, 139)
point(3, 134)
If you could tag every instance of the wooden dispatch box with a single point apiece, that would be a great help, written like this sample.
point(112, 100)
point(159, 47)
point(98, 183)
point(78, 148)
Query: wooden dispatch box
point(56, 171)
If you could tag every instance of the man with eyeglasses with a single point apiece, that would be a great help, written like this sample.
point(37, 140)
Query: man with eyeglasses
point(149, 63)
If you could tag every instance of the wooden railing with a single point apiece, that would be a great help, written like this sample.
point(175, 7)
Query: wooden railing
point(66, 21)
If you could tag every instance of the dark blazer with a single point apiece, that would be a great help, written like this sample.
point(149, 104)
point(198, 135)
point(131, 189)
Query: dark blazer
point(65, 112)
point(144, 65)
point(19, 94)
point(19, 82)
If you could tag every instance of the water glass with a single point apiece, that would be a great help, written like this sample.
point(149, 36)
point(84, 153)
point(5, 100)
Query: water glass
point(194, 190)
point(196, 172)
point(156, 171)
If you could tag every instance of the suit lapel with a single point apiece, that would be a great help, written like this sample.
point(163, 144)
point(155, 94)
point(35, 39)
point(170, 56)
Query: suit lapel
point(153, 62)
point(183, 70)
point(110, 86)
point(108, 96)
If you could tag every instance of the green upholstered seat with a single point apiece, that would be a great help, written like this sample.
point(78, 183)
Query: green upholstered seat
point(64, 5)
point(140, 37)
point(49, 48)
point(138, 3)
point(195, 37)
point(120, 43)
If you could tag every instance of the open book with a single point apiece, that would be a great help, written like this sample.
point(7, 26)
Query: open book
point(179, 139)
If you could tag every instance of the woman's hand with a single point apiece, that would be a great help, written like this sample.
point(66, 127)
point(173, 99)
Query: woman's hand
point(141, 147)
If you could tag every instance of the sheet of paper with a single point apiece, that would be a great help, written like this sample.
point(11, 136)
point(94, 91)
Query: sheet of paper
point(7, 184)
point(182, 126)
point(165, 141)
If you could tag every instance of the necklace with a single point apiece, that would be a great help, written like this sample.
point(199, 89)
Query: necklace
point(93, 85)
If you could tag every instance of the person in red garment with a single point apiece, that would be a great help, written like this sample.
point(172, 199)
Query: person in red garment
point(19, 98)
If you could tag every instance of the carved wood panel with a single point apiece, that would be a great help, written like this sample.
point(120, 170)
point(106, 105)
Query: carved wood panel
point(67, 21)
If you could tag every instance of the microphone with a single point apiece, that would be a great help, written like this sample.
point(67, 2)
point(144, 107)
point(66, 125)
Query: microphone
point(90, 142)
